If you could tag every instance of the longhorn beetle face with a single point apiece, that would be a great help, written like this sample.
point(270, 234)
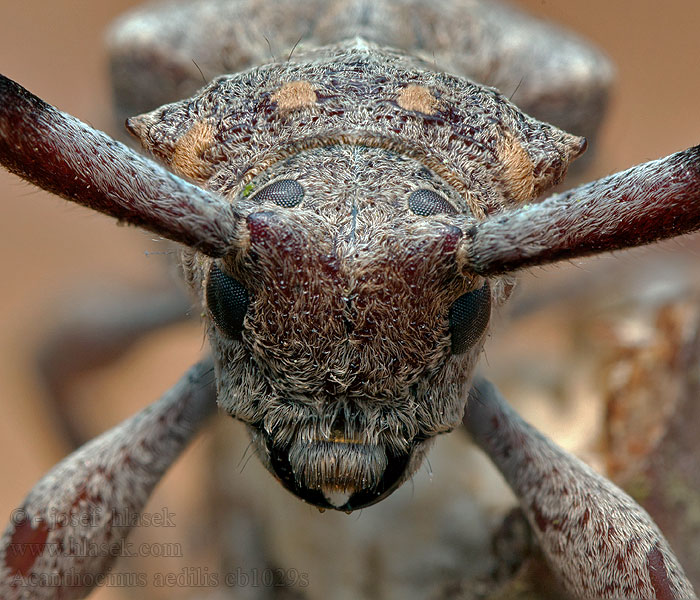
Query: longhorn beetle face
point(345, 328)
point(354, 214)
point(349, 332)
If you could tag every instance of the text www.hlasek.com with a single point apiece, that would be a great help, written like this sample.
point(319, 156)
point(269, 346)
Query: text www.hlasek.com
point(86, 549)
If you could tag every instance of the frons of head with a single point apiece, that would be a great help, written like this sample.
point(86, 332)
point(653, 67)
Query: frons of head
point(376, 308)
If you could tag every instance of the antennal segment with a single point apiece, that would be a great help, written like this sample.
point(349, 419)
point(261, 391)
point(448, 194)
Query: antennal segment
point(649, 202)
point(63, 155)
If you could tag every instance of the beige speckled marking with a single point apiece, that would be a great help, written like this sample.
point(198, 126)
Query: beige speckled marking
point(517, 169)
point(187, 157)
point(294, 95)
point(418, 98)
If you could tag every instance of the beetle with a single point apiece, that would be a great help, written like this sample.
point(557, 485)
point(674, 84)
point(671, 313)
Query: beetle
point(224, 327)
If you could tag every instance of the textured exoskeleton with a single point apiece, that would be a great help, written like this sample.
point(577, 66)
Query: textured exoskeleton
point(350, 216)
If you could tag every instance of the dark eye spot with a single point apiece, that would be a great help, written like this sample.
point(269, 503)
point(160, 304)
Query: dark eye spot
point(284, 192)
point(426, 203)
point(228, 301)
point(469, 316)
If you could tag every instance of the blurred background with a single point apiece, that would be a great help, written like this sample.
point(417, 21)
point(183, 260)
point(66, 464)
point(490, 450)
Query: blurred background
point(50, 248)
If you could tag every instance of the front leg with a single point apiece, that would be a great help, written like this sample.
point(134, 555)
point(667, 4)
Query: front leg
point(62, 540)
point(599, 542)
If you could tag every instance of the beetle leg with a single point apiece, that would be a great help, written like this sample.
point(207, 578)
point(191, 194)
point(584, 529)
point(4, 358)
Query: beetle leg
point(48, 550)
point(598, 541)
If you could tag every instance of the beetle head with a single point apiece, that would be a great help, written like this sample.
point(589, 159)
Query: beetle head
point(345, 329)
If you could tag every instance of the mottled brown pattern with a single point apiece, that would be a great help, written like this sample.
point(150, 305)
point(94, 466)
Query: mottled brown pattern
point(599, 542)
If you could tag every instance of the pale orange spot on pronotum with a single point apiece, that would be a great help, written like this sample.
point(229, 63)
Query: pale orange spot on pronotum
point(187, 155)
point(517, 170)
point(294, 95)
point(417, 98)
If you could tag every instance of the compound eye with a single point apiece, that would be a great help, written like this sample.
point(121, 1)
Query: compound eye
point(228, 301)
point(426, 203)
point(468, 318)
point(284, 192)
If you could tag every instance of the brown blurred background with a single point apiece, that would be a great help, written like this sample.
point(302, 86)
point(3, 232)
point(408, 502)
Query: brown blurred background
point(49, 247)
